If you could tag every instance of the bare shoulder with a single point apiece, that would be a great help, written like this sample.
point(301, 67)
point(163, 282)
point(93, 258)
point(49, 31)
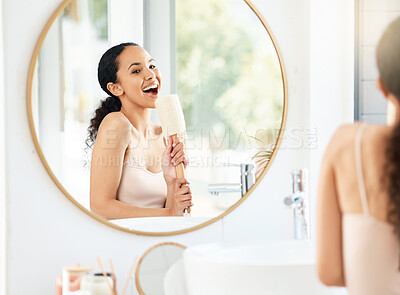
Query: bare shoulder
point(115, 121)
point(115, 131)
point(378, 133)
point(344, 137)
point(342, 140)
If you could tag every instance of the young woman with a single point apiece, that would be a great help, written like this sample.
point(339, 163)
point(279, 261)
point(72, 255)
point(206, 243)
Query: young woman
point(358, 211)
point(132, 168)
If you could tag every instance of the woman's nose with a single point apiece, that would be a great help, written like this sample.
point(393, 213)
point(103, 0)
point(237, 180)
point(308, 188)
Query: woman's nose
point(149, 74)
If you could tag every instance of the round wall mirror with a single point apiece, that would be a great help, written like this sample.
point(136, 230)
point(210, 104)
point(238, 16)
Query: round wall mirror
point(219, 56)
point(160, 270)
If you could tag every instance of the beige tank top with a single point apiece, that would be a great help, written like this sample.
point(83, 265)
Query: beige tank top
point(140, 187)
point(370, 247)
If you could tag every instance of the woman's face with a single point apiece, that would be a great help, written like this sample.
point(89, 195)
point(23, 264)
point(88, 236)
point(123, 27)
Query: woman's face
point(138, 77)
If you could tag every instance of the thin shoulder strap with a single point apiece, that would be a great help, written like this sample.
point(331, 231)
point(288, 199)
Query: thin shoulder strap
point(360, 177)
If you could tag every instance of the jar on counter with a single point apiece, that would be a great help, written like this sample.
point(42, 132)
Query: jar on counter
point(96, 284)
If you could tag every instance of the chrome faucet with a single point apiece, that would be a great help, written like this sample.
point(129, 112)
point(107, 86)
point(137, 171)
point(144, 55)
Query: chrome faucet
point(247, 180)
point(299, 202)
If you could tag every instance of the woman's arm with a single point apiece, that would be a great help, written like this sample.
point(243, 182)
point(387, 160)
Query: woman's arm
point(106, 170)
point(329, 221)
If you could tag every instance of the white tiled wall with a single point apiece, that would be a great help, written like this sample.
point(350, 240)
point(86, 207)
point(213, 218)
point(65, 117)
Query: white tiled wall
point(374, 16)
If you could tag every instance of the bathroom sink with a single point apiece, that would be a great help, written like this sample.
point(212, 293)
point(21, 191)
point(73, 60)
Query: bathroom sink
point(160, 224)
point(255, 267)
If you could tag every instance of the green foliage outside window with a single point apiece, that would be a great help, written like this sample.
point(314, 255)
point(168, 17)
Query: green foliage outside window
point(224, 78)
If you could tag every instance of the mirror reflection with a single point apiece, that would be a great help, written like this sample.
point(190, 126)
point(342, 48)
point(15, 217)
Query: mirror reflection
point(229, 82)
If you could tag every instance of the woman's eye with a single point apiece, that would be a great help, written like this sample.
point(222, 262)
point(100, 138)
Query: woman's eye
point(136, 72)
point(152, 66)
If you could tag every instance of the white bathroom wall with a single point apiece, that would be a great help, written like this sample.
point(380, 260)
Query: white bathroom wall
point(331, 75)
point(3, 211)
point(46, 231)
point(126, 18)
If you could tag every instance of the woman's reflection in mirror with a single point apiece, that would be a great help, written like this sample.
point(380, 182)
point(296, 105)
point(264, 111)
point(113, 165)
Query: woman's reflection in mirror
point(132, 170)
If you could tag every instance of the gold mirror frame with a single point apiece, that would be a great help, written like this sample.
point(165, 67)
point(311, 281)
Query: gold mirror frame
point(32, 66)
point(139, 288)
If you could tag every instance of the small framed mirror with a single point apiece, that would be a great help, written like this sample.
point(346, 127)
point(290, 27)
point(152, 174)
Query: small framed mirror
point(156, 268)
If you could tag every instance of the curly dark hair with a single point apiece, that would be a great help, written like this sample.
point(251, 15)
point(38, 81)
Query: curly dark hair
point(388, 61)
point(106, 72)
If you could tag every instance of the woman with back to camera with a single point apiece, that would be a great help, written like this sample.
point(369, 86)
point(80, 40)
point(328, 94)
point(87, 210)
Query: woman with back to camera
point(132, 169)
point(358, 211)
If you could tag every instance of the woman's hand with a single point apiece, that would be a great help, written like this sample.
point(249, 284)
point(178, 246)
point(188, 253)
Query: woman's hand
point(174, 154)
point(182, 197)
